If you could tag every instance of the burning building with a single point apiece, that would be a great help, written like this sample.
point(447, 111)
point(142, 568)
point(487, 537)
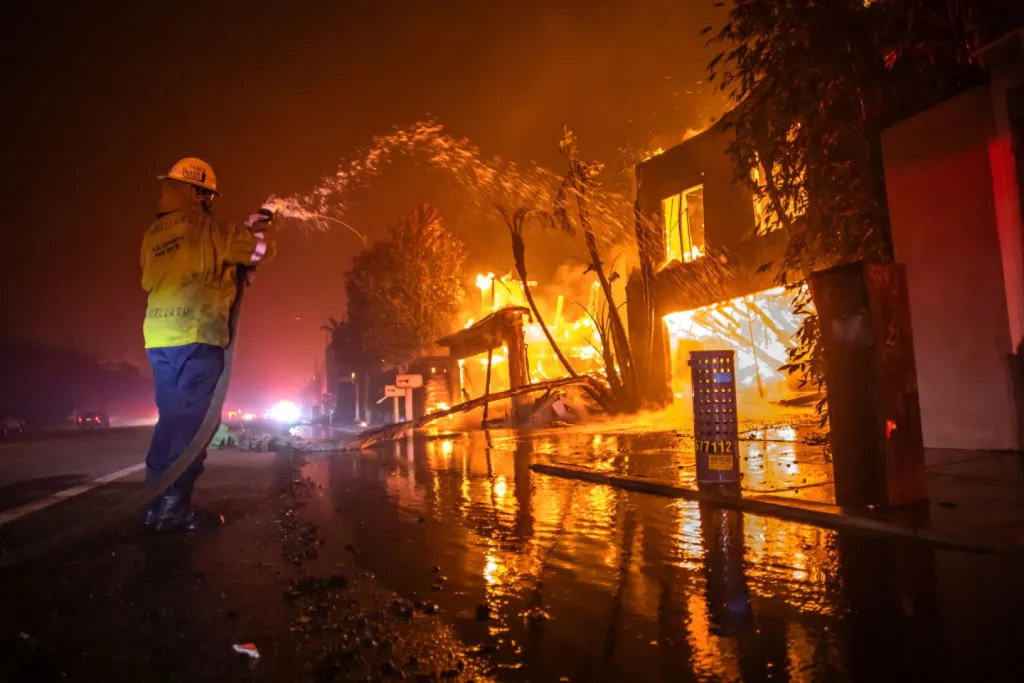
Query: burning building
point(502, 347)
point(700, 284)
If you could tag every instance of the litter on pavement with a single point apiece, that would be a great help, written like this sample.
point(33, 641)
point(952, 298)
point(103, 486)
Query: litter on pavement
point(248, 649)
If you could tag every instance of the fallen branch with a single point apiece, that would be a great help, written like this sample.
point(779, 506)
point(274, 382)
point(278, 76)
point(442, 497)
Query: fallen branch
point(591, 385)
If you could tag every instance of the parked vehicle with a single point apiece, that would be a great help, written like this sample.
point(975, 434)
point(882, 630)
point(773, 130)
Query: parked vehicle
point(11, 425)
point(93, 419)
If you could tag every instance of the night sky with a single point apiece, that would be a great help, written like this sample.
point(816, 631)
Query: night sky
point(99, 98)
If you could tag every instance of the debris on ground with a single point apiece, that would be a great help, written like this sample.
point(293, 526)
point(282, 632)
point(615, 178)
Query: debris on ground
point(224, 437)
point(537, 614)
point(257, 441)
point(248, 649)
point(594, 389)
point(563, 407)
point(401, 610)
point(308, 586)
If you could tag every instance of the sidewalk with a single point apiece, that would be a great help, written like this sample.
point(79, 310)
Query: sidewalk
point(976, 499)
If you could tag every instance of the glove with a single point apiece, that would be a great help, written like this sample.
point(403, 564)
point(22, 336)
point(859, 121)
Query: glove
point(264, 215)
point(257, 224)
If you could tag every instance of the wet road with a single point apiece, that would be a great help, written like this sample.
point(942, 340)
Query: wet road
point(634, 587)
point(460, 562)
point(43, 464)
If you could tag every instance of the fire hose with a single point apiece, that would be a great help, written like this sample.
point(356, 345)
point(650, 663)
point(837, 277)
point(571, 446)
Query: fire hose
point(135, 503)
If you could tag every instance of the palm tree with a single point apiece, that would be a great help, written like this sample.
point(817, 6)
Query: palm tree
point(516, 223)
point(578, 180)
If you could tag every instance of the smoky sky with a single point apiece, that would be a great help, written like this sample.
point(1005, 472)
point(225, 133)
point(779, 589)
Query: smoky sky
point(101, 97)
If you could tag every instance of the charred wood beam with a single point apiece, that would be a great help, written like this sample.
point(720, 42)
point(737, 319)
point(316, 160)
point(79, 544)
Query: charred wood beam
point(593, 387)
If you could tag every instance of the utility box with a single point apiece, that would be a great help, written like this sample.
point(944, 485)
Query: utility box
point(864, 316)
point(715, 429)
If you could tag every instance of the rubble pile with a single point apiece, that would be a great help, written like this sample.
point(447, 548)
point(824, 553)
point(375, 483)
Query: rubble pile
point(564, 406)
point(259, 441)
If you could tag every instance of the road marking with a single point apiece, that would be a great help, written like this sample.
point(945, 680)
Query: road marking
point(43, 503)
point(117, 475)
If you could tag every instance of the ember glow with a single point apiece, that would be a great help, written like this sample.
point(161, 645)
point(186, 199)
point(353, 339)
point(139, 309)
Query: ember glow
point(653, 153)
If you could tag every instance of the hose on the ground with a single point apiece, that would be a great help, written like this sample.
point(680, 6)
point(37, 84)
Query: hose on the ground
point(135, 503)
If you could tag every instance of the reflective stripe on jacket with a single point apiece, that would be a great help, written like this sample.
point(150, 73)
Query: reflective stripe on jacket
point(188, 269)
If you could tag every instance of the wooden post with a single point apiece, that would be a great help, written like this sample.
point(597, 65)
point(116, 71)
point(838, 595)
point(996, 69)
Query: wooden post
point(355, 383)
point(408, 405)
point(454, 383)
point(517, 370)
point(487, 384)
point(366, 397)
point(753, 351)
point(397, 420)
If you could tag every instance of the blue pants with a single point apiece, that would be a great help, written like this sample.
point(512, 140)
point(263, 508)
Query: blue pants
point(184, 378)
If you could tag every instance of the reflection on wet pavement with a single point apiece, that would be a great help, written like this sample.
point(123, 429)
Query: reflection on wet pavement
point(772, 459)
point(564, 580)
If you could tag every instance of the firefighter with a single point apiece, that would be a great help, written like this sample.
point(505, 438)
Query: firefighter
point(190, 270)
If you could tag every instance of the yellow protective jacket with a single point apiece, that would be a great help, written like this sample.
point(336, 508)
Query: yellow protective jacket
point(189, 261)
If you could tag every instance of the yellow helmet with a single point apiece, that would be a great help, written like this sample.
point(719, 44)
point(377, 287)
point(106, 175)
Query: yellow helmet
point(194, 172)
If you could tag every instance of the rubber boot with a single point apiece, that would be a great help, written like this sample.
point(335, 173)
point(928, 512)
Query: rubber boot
point(152, 513)
point(177, 514)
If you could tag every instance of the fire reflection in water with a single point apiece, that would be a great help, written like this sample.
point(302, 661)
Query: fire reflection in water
point(583, 578)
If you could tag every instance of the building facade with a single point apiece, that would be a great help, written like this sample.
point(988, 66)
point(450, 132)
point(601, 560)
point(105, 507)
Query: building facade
point(700, 283)
point(953, 179)
point(954, 187)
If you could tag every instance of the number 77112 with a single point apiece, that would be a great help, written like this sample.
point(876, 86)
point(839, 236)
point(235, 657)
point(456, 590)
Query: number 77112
point(705, 446)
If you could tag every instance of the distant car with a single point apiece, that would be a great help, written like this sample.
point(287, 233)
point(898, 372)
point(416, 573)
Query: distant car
point(93, 420)
point(11, 425)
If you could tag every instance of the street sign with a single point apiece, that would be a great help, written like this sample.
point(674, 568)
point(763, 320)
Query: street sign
point(391, 391)
point(409, 381)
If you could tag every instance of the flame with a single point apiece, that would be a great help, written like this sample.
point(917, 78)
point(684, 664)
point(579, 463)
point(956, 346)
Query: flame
point(653, 153)
point(758, 327)
point(576, 337)
point(484, 282)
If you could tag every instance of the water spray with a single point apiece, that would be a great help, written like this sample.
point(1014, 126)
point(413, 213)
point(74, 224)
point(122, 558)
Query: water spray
point(292, 208)
point(487, 180)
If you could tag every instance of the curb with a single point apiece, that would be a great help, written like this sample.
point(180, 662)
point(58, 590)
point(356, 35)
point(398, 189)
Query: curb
point(816, 514)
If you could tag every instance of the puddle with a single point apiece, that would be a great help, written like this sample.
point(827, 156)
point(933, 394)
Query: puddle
point(563, 580)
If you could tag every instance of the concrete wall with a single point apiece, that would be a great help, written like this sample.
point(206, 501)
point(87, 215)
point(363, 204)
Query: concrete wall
point(1005, 63)
point(1004, 149)
point(939, 179)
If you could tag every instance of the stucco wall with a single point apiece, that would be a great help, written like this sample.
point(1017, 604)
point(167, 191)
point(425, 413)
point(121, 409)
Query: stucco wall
point(940, 188)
